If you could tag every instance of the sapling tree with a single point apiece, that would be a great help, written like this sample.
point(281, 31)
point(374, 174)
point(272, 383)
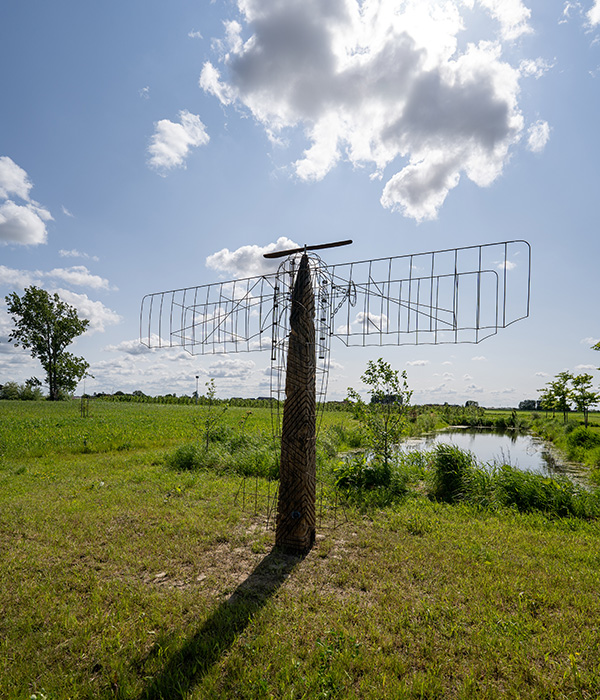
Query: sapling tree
point(562, 393)
point(547, 400)
point(583, 394)
point(211, 416)
point(384, 417)
point(46, 325)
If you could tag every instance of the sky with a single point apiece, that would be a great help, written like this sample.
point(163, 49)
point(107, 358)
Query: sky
point(148, 146)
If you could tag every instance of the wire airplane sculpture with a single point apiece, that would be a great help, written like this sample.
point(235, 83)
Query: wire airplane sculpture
point(456, 295)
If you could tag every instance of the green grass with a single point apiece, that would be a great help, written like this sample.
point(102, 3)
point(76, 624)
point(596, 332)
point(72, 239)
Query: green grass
point(123, 578)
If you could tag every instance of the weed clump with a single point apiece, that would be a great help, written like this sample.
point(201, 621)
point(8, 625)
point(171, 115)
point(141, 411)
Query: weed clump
point(371, 482)
point(228, 452)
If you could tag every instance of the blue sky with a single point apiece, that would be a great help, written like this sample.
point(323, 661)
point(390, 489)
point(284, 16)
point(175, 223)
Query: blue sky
point(139, 139)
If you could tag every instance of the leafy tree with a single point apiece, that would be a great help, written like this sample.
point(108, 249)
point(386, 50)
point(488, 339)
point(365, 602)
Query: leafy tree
point(46, 325)
point(384, 418)
point(561, 392)
point(528, 405)
point(583, 395)
point(30, 391)
point(10, 391)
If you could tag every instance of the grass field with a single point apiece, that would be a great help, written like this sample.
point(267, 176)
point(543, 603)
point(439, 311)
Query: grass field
point(122, 578)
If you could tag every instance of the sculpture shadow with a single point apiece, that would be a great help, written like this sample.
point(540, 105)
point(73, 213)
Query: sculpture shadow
point(199, 653)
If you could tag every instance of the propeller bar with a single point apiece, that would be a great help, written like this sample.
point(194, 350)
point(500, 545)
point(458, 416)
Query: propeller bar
point(284, 253)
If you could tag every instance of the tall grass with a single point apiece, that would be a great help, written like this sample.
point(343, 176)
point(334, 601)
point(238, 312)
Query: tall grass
point(453, 476)
point(451, 473)
point(246, 455)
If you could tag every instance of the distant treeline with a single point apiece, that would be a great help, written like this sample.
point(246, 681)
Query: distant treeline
point(259, 402)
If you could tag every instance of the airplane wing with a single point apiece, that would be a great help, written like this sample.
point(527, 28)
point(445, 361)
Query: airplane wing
point(458, 295)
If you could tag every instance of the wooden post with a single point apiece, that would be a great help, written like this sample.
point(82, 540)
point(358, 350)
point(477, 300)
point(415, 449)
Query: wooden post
point(296, 516)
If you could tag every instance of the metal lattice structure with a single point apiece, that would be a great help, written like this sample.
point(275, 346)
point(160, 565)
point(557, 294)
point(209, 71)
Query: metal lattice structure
point(455, 295)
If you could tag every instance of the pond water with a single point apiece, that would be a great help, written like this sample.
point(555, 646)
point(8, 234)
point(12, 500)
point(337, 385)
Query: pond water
point(521, 451)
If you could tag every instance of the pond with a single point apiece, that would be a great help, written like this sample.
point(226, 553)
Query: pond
point(522, 451)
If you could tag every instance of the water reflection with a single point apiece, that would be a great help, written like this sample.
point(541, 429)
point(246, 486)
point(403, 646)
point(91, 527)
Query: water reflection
point(522, 451)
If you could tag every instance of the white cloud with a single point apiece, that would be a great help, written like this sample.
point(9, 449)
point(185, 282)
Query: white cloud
point(586, 367)
point(248, 261)
point(503, 392)
point(538, 136)
point(535, 68)
point(195, 35)
point(379, 83)
point(66, 212)
point(80, 276)
point(18, 278)
point(132, 347)
point(77, 254)
point(479, 358)
point(171, 142)
point(512, 15)
point(567, 8)
point(593, 16)
point(417, 363)
point(368, 322)
point(542, 374)
point(590, 341)
point(100, 316)
point(13, 180)
point(474, 389)
point(229, 367)
point(23, 224)
point(590, 17)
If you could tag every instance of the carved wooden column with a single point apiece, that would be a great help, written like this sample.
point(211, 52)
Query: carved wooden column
point(296, 516)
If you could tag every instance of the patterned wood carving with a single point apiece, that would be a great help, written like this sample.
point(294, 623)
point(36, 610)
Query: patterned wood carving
point(297, 472)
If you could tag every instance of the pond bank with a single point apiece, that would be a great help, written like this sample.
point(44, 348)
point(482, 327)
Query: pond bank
point(521, 450)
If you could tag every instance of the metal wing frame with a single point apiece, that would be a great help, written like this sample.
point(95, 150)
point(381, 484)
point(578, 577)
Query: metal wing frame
point(455, 295)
